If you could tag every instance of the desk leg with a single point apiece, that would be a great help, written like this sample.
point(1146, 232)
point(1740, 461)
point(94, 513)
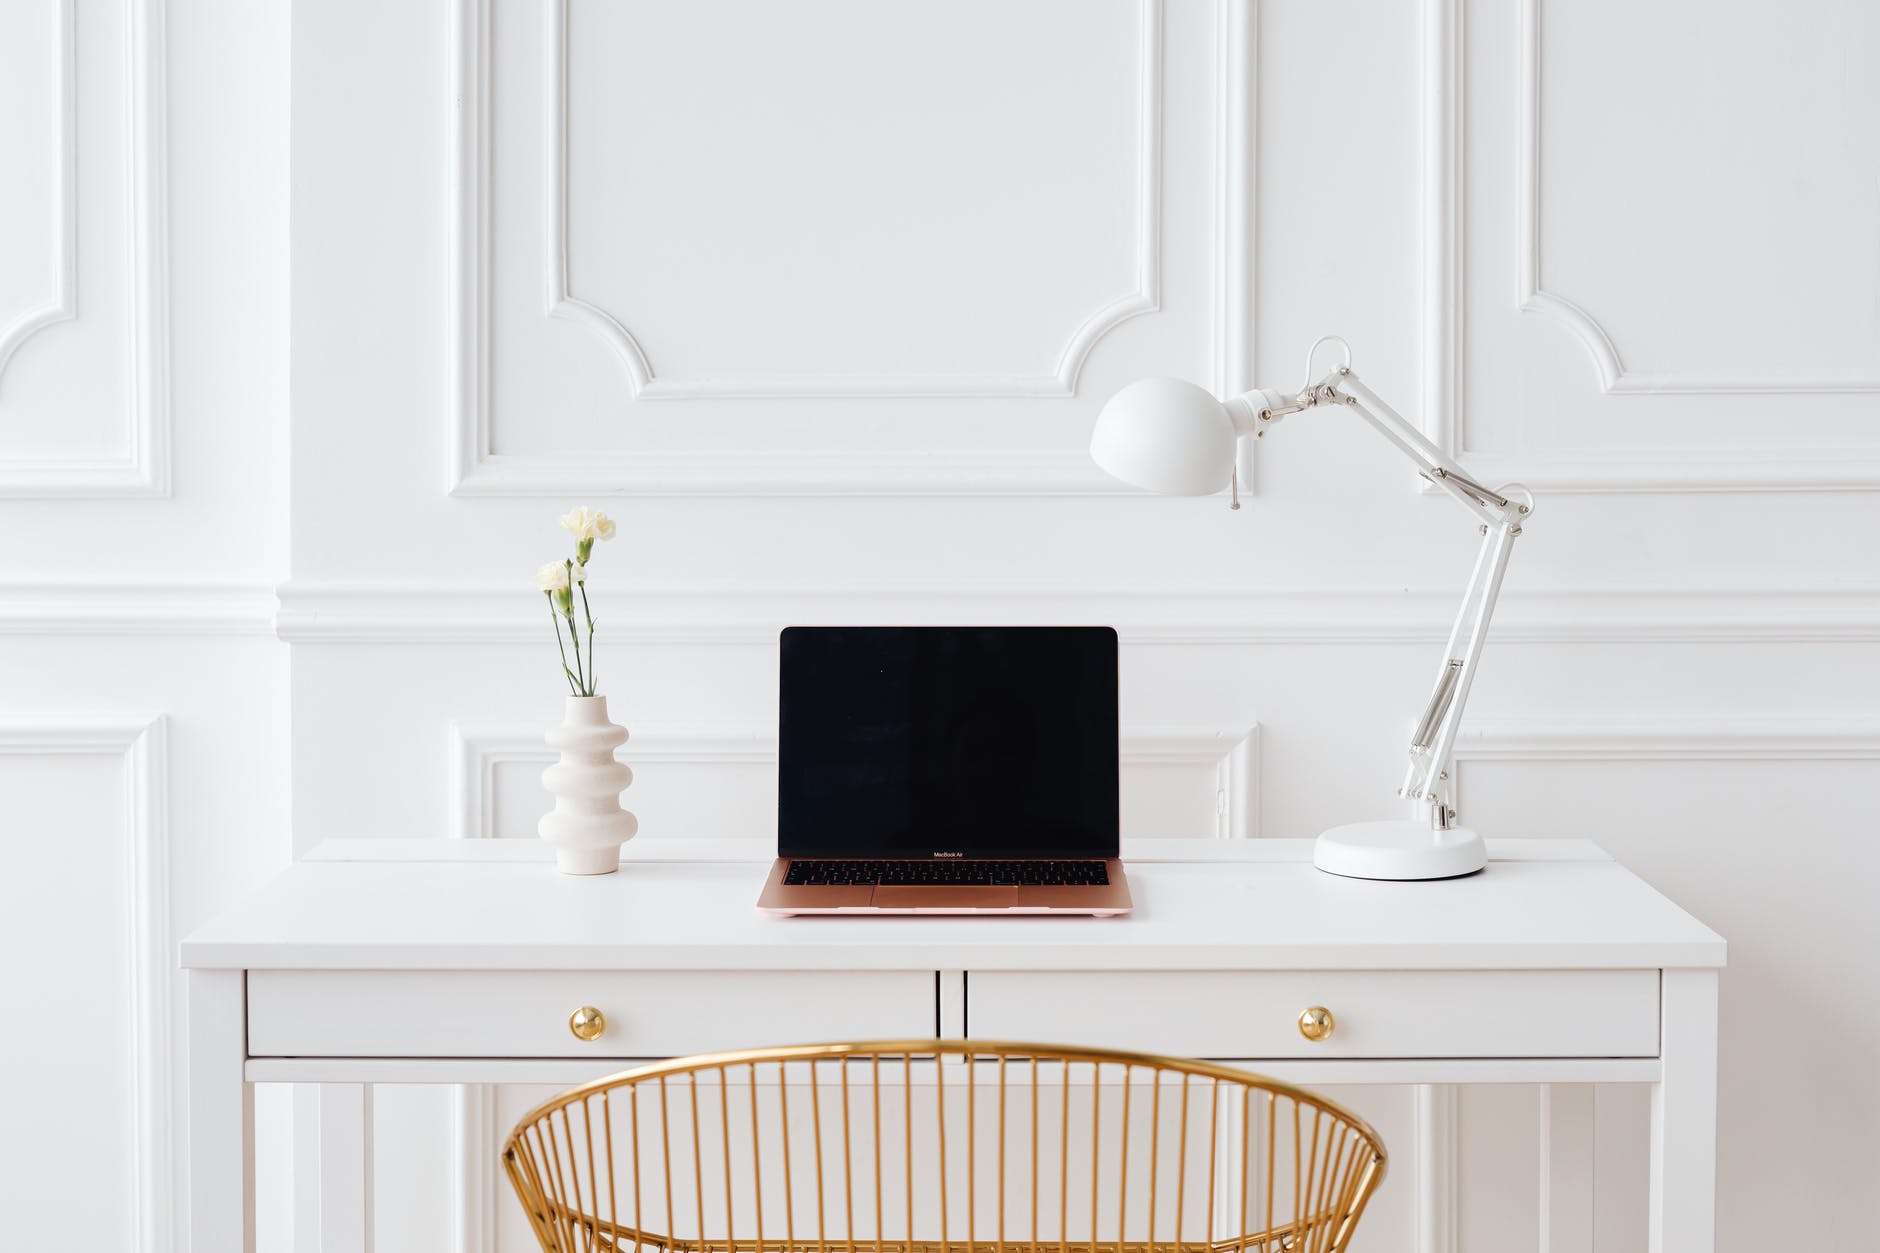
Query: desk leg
point(1436, 1128)
point(1684, 1117)
point(221, 1116)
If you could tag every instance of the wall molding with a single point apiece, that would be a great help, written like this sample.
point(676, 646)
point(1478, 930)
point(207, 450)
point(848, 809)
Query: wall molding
point(1441, 173)
point(1614, 378)
point(478, 748)
point(475, 469)
point(496, 613)
point(63, 608)
point(1025, 472)
point(1690, 469)
point(1060, 380)
point(1755, 737)
point(1234, 755)
point(61, 303)
point(1749, 738)
point(144, 470)
point(1236, 217)
point(140, 742)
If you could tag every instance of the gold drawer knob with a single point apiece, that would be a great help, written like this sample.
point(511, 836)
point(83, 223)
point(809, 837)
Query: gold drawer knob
point(1316, 1023)
point(590, 1024)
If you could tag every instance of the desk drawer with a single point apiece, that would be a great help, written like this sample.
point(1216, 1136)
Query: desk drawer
point(1513, 1013)
point(306, 1013)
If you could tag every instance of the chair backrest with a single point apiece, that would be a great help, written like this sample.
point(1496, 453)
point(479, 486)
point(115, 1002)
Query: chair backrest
point(931, 1146)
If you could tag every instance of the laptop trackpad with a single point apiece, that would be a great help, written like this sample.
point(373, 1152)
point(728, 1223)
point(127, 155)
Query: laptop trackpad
point(949, 897)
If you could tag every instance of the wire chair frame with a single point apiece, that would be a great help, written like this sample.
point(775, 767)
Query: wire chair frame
point(941, 1146)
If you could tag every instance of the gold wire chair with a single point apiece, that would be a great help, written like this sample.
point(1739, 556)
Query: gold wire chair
point(941, 1146)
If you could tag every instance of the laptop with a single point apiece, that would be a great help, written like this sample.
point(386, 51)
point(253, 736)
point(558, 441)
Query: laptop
point(947, 770)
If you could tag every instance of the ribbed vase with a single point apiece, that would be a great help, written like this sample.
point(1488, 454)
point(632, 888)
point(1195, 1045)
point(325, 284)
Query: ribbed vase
point(587, 825)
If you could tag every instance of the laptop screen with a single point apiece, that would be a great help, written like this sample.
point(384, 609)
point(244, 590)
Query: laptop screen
point(937, 742)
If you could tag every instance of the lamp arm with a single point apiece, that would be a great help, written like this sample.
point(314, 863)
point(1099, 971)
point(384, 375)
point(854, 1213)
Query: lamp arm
point(1428, 784)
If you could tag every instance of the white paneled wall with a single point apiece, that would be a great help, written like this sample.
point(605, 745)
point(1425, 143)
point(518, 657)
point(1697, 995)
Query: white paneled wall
point(819, 300)
point(143, 700)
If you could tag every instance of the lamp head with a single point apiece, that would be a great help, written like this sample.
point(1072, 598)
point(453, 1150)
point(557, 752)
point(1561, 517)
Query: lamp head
point(1168, 436)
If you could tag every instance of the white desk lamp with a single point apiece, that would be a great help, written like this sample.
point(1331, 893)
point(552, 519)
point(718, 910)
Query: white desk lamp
point(1173, 437)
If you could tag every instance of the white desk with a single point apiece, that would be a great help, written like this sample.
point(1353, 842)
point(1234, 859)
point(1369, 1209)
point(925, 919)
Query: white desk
point(460, 962)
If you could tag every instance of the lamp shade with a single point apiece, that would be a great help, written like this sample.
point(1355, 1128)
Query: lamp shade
point(1167, 435)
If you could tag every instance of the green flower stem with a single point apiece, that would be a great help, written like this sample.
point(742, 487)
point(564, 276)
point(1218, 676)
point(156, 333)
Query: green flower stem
point(593, 682)
point(574, 636)
point(580, 673)
point(555, 622)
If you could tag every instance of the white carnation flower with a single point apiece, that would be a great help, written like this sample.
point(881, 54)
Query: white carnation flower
point(552, 577)
point(588, 525)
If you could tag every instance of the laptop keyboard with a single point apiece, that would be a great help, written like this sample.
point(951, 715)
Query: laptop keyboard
point(846, 873)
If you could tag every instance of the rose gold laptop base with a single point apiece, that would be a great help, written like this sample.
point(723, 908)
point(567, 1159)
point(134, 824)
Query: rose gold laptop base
point(1104, 901)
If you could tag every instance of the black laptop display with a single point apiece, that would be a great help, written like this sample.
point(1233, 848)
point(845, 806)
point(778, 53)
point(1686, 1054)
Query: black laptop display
point(948, 742)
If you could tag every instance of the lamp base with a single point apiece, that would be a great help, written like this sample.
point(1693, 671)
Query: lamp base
point(1398, 849)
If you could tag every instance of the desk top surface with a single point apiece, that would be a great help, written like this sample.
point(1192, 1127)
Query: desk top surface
point(688, 905)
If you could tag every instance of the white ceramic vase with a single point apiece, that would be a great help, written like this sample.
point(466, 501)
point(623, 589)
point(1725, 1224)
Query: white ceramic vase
point(587, 825)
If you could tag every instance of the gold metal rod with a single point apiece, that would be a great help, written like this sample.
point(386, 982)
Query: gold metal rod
point(1096, 1134)
point(698, 1161)
point(757, 1165)
point(607, 1130)
point(724, 1126)
point(564, 1224)
point(1272, 1153)
point(552, 1164)
point(1321, 1191)
point(594, 1178)
point(907, 1132)
point(1298, 1171)
point(940, 1132)
point(999, 1235)
point(1345, 1174)
point(1181, 1162)
point(848, 1164)
point(783, 1116)
point(1155, 1146)
point(521, 1160)
point(972, 1152)
point(633, 1117)
point(880, 1222)
point(1322, 1166)
point(1214, 1127)
point(1247, 1152)
point(1064, 1158)
point(665, 1148)
point(1032, 1065)
point(1367, 1187)
point(745, 1244)
point(1122, 1167)
point(563, 1188)
point(815, 1117)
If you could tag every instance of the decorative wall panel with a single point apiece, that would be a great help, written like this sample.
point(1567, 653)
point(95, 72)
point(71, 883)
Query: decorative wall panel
point(84, 315)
